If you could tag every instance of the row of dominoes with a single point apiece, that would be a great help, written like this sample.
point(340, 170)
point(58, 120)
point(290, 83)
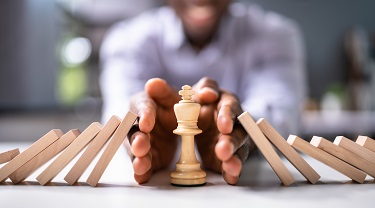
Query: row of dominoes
point(353, 159)
point(95, 136)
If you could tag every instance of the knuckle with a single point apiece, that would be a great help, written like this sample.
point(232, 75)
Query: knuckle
point(242, 153)
point(207, 81)
point(233, 105)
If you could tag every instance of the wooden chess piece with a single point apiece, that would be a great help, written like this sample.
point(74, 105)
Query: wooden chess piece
point(188, 171)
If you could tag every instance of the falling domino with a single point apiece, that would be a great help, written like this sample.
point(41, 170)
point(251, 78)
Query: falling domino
point(70, 152)
point(344, 155)
point(327, 158)
point(47, 154)
point(266, 148)
point(291, 154)
point(366, 142)
point(8, 155)
point(118, 137)
point(29, 153)
point(92, 150)
point(355, 148)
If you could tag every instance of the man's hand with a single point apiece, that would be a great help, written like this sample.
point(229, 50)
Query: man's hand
point(153, 143)
point(224, 144)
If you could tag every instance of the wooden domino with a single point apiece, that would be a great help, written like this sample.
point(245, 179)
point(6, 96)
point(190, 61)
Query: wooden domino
point(326, 158)
point(117, 138)
point(8, 155)
point(40, 159)
point(344, 155)
point(92, 150)
point(70, 152)
point(29, 153)
point(355, 148)
point(366, 142)
point(291, 154)
point(266, 148)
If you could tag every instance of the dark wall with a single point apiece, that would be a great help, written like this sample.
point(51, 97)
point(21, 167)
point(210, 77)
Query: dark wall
point(323, 24)
point(28, 66)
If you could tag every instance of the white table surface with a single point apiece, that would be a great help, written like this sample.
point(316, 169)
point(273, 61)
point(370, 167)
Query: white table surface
point(258, 187)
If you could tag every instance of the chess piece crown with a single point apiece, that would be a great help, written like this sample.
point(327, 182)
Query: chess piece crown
point(187, 112)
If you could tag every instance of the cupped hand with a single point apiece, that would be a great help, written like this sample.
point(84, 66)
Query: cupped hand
point(152, 142)
point(224, 144)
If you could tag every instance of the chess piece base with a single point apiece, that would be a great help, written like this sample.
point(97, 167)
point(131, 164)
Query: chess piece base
point(188, 175)
point(188, 182)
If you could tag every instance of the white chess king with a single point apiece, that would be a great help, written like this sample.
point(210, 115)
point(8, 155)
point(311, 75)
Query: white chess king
point(188, 171)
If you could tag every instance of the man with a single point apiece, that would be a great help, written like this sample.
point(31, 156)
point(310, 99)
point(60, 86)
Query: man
point(254, 60)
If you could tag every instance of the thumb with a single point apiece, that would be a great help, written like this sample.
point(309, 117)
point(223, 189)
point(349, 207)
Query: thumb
point(163, 94)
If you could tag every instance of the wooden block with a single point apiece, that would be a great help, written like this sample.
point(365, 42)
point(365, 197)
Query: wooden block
point(344, 155)
point(40, 159)
point(92, 150)
point(70, 152)
point(366, 142)
point(29, 153)
point(8, 155)
point(327, 159)
point(355, 148)
point(289, 152)
point(117, 138)
point(266, 148)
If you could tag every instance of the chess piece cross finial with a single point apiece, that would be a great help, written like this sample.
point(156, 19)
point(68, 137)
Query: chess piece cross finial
point(186, 93)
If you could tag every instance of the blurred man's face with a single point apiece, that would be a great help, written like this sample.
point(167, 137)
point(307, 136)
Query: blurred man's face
point(200, 18)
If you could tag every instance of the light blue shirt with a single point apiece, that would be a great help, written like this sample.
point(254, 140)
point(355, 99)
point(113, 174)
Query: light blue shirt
point(257, 55)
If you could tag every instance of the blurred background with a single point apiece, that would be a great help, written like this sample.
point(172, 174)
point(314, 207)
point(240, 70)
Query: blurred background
point(49, 65)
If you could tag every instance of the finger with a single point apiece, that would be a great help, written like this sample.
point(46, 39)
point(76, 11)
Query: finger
point(140, 179)
point(206, 91)
point(232, 170)
point(163, 94)
point(228, 110)
point(232, 167)
point(140, 144)
point(130, 137)
point(244, 151)
point(231, 180)
point(224, 148)
point(142, 164)
point(229, 144)
point(206, 117)
point(145, 108)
